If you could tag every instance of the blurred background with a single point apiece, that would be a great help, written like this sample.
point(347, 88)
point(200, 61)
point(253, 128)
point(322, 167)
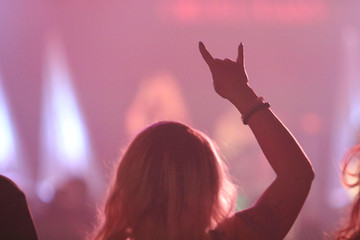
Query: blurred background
point(78, 79)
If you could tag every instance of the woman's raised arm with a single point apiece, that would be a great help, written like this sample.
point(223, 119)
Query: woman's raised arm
point(276, 210)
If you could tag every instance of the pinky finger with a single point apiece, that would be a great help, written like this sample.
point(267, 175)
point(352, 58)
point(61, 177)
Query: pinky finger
point(240, 57)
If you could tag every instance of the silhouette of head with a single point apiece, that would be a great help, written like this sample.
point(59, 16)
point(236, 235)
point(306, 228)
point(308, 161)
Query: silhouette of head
point(170, 184)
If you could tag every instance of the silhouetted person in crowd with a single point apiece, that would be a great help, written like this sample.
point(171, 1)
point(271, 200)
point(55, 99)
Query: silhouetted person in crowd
point(69, 215)
point(351, 228)
point(171, 184)
point(15, 219)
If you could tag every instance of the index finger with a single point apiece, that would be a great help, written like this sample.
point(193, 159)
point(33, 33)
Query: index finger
point(240, 57)
point(205, 54)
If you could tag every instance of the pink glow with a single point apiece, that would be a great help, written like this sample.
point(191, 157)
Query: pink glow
point(239, 12)
point(311, 123)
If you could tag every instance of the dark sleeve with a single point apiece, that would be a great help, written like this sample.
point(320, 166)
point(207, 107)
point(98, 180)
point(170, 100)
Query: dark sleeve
point(15, 219)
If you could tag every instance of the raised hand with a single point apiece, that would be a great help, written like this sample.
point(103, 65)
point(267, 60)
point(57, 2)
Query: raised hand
point(229, 77)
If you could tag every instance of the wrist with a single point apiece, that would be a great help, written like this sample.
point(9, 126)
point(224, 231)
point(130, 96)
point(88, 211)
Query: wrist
point(259, 105)
point(244, 100)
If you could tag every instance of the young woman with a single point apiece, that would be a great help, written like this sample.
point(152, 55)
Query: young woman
point(351, 228)
point(172, 185)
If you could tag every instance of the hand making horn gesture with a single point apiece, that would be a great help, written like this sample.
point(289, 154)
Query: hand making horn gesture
point(230, 78)
point(273, 214)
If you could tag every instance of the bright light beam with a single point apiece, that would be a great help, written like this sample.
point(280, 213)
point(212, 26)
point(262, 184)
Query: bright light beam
point(347, 113)
point(7, 139)
point(65, 144)
point(12, 162)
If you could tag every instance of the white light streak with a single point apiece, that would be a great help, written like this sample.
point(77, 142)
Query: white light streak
point(65, 146)
point(7, 139)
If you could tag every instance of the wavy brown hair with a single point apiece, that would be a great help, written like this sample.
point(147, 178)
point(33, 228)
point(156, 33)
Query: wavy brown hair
point(169, 184)
point(351, 228)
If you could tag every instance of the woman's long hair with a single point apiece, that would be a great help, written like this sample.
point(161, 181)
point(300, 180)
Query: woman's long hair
point(351, 229)
point(169, 184)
